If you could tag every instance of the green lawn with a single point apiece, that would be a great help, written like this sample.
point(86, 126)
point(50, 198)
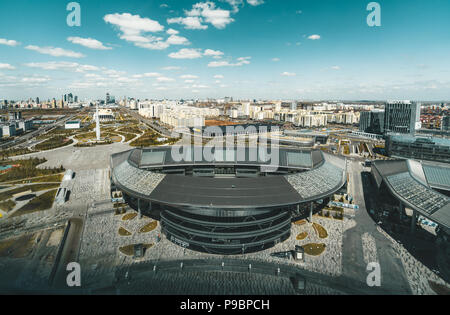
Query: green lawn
point(57, 178)
point(34, 188)
point(7, 205)
point(39, 203)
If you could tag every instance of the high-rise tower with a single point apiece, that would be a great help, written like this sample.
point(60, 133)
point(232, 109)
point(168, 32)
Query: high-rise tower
point(97, 124)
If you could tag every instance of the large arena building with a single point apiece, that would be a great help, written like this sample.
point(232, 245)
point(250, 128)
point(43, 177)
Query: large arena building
point(236, 203)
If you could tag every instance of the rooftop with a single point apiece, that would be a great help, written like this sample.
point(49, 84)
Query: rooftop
point(416, 139)
point(316, 176)
point(412, 182)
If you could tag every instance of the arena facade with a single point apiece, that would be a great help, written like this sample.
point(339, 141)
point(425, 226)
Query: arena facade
point(233, 204)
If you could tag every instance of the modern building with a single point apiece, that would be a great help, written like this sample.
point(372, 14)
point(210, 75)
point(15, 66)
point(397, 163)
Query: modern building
point(293, 106)
point(233, 203)
point(410, 184)
point(445, 123)
point(402, 117)
point(419, 148)
point(9, 130)
point(25, 125)
point(317, 137)
point(372, 122)
point(105, 114)
point(109, 99)
point(187, 116)
point(72, 124)
point(13, 116)
point(151, 110)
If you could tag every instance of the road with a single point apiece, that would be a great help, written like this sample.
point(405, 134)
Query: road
point(392, 273)
point(343, 283)
point(161, 130)
point(39, 131)
point(69, 252)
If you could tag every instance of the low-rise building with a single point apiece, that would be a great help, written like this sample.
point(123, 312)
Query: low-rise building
point(9, 130)
point(72, 124)
point(419, 148)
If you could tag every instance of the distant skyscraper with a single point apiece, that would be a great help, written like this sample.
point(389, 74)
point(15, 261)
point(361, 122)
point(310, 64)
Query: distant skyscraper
point(107, 98)
point(97, 124)
point(70, 98)
point(402, 117)
point(37, 100)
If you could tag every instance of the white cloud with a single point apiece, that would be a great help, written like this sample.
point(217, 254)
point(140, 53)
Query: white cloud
point(216, 64)
point(255, 2)
point(62, 65)
point(189, 81)
point(113, 73)
point(240, 62)
point(276, 59)
point(24, 81)
point(134, 29)
point(186, 53)
point(336, 68)
point(86, 85)
point(314, 37)
point(126, 80)
point(154, 45)
point(169, 68)
point(288, 74)
point(8, 42)
point(88, 42)
point(188, 76)
point(133, 24)
point(218, 76)
point(177, 40)
point(147, 75)
point(152, 74)
point(55, 51)
point(235, 4)
point(165, 79)
point(204, 12)
point(190, 22)
point(171, 31)
point(200, 86)
point(213, 53)
point(35, 79)
point(6, 66)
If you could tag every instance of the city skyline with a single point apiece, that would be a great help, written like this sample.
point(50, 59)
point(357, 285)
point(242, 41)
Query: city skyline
point(210, 49)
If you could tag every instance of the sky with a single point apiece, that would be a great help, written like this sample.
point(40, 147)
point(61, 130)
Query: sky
point(245, 49)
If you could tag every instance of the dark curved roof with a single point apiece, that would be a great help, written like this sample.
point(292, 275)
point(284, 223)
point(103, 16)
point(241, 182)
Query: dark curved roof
point(318, 175)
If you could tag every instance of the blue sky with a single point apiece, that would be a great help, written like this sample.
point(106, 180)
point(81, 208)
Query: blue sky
point(263, 49)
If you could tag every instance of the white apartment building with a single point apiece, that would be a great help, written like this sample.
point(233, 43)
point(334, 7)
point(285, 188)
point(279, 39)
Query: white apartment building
point(187, 116)
point(151, 110)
